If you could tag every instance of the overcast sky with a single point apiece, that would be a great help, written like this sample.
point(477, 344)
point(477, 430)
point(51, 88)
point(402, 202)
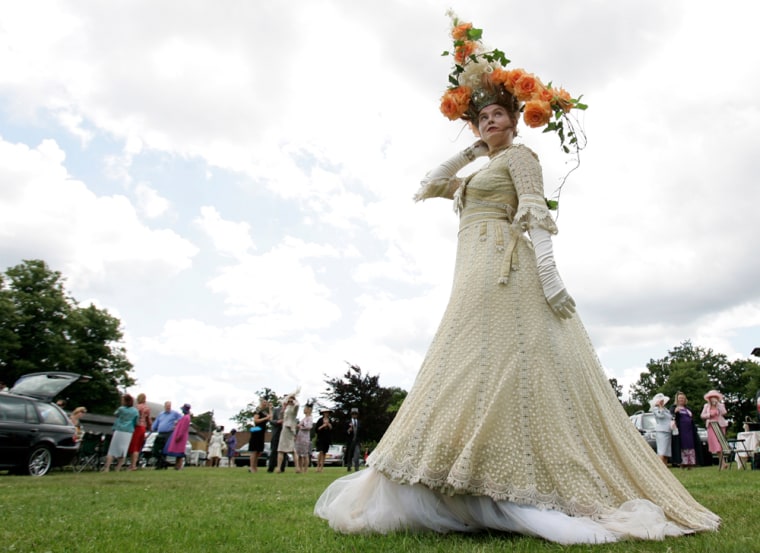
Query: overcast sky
point(233, 180)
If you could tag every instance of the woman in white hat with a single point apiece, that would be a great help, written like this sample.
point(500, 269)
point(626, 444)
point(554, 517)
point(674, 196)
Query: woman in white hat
point(714, 410)
point(662, 427)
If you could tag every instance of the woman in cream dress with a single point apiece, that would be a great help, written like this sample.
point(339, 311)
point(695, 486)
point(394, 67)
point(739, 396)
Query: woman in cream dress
point(288, 433)
point(509, 341)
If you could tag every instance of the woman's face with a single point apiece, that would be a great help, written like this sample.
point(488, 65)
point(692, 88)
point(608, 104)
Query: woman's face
point(496, 127)
point(681, 399)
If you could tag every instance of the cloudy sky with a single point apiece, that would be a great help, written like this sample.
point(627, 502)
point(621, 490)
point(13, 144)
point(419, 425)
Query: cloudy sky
point(233, 180)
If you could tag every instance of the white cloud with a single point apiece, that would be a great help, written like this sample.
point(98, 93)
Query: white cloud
point(150, 202)
point(229, 238)
point(46, 214)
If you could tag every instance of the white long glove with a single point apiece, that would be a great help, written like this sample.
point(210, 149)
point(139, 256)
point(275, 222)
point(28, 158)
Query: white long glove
point(450, 167)
point(554, 289)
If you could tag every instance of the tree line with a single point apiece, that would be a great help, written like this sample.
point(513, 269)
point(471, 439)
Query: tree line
point(43, 328)
point(694, 371)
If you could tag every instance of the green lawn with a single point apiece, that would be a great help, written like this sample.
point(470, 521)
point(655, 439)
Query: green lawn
point(229, 509)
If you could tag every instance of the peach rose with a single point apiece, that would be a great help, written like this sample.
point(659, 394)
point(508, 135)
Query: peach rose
point(460, 31)
point(543, 93)
point(513, 76)
point(499, 76)
point(562, 99)
point(537, 113)
point(463, 51)
point(455, 102)
point(526, 86)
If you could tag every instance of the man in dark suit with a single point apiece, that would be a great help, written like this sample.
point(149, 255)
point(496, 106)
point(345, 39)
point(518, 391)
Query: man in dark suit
point(354, 446)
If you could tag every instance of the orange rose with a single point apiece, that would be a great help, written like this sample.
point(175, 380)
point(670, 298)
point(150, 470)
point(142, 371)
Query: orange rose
point(537, 113)
point(455, 102)
point(544, 94)
point(460, 31)
point(513, 76)
point(562, 99)
point(464, 51)
point(499, 76)
point(526, 86)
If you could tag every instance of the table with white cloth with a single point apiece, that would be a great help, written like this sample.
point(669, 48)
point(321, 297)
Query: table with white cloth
point(751, 443)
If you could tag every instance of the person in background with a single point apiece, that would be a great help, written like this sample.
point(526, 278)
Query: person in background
point(75, 417)
point(175, 445)
point(275, 440)
point(164, 426)
point(261, 417)
point(138, 436)
point(663, 431)
point(215, 444)
point(123, 426)
point(288, 434)
point(324, 437)
point(686, 440)
point(303, 440)
point(231, 447)
point(354, 448)
point(714, 411)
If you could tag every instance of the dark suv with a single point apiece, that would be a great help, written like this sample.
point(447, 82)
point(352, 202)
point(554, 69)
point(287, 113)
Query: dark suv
point(35, 434)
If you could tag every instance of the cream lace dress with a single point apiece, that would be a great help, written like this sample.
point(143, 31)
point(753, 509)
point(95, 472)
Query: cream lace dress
point(512, 423)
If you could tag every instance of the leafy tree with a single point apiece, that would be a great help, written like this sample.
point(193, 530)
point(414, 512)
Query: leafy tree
point(695, 370)
point(377, 405)
point(617, 387)
point(42, 328)
point(204, 422)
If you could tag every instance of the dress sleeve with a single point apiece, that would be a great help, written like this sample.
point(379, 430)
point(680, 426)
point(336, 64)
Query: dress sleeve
point(525, 170)
point(438, 187)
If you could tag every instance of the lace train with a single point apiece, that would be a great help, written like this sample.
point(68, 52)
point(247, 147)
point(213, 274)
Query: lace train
point(367, 501)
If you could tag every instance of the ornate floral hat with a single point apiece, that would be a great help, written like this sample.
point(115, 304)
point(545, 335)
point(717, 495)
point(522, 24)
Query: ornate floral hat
point(479, 79)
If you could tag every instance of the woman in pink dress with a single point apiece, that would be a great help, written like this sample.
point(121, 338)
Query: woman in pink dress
point(713, 411)
point(303, 440)
point(175, 446)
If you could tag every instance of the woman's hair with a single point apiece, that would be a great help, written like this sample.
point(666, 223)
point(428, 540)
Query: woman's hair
point(685, 399)
point(128, 400)
point(140, 398)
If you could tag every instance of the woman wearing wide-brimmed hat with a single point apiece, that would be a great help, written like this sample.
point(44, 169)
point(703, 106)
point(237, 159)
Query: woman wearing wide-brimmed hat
point(713, 411)
point(663, 431)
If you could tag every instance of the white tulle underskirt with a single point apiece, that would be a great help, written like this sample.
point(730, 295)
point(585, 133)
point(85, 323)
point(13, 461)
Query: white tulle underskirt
point(368, 502)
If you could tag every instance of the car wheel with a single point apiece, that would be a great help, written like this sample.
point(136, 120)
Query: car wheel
point(40, 461)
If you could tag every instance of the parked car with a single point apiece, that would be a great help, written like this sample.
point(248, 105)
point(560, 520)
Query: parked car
point(35, 434)
point(334, 456)
point(148, 459)
point(243, 456)
point(645, 424)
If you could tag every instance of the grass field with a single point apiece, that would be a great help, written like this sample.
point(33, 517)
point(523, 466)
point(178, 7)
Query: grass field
point(229, 509)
